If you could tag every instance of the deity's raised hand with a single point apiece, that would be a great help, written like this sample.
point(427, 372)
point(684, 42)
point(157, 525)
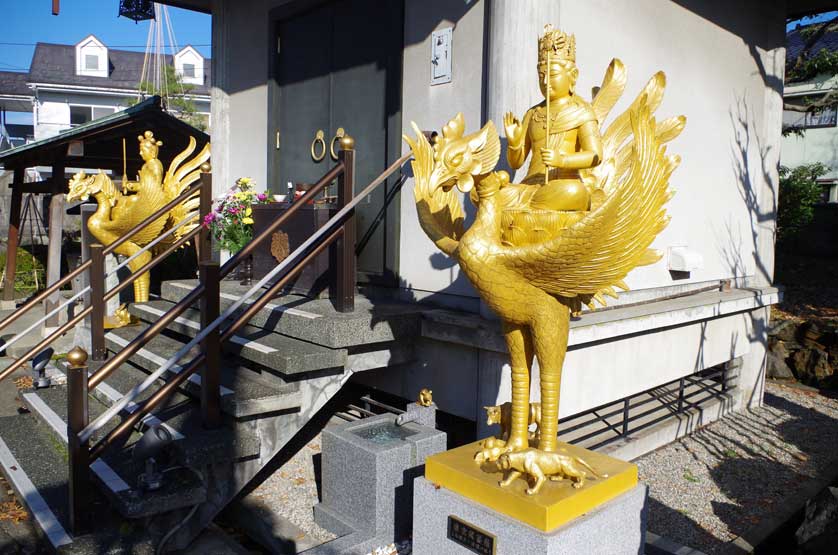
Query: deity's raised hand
point(514, 130)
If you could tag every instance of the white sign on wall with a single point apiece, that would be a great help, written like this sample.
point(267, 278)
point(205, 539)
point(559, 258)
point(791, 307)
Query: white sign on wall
point(441, 56)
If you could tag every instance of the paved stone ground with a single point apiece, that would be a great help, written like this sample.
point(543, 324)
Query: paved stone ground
point(292, 491)
point(727, 478)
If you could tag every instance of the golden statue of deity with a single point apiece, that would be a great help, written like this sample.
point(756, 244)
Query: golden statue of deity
point(118, 212)
point(586, 214)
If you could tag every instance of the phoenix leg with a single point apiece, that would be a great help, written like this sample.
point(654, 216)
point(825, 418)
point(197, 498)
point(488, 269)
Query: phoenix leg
point(550, 332)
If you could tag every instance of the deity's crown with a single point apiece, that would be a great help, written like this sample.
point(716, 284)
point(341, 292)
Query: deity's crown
point(147, 139)
point(559, 44)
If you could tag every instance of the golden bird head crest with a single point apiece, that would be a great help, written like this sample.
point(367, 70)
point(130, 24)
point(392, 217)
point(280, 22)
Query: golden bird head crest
point(80, 187)
point(458, 158)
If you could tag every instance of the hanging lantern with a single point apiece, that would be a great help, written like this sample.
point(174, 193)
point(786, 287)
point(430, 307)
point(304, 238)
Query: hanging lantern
point(138, 10)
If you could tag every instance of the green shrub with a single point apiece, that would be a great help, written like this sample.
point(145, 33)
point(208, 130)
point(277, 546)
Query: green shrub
point(30, 274)
point(799, 192)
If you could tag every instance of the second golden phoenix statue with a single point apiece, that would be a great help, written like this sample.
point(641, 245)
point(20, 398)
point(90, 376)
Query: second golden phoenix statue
point(584, 216)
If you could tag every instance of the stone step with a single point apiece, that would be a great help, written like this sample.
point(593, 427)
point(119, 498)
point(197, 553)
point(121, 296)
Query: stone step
point(38, 472)
point(316, 320)
point(194, 445)
point(243, 391)
point(116, 472)
point(279, 353)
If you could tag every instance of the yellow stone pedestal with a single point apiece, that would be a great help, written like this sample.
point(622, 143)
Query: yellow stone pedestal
point(556, 503)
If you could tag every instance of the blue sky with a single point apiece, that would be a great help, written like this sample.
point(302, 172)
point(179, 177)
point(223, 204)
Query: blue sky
point(31, 21)
point(806, 21)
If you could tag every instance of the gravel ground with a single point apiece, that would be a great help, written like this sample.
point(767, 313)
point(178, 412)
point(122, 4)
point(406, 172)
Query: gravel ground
point(291, 491)
point(723, 480)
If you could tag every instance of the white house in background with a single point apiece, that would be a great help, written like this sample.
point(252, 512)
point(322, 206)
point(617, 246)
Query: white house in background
point(68, 85)
point(189, 64)
point(819, 142)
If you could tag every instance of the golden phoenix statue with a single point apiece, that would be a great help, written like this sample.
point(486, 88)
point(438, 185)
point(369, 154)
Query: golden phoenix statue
point(118, 212)
point(585, 215)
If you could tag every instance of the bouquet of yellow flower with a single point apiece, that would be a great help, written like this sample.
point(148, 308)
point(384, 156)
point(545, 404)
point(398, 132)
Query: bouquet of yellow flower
point(231, 223)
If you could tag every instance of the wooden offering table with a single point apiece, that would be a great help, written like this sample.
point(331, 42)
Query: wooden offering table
point(318, 277)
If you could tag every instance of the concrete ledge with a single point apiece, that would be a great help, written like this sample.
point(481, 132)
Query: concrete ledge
point(474, 331)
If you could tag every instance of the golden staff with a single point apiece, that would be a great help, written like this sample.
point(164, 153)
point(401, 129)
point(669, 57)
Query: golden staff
point(124, 164)
point(547, 138)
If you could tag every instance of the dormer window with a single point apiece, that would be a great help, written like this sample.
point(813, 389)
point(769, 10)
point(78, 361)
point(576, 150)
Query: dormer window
point(91, 58)
point(189, 64)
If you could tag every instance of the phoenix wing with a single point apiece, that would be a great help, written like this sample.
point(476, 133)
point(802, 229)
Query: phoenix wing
point(591, 257)
point(177, 180)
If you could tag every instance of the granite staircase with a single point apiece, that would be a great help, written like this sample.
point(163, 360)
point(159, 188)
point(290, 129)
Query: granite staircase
point(277, 373)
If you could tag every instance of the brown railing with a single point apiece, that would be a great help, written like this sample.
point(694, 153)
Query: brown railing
point(340, 229)
point(95, 265)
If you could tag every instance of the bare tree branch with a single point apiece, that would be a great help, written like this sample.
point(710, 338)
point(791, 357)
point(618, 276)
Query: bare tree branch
point(828, 99)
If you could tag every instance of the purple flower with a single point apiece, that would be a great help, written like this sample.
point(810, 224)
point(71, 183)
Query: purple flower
point(262, 197)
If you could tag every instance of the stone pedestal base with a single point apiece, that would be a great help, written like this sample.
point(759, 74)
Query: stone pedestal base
point(617, 527)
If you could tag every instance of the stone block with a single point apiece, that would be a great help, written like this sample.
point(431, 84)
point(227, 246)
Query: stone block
point(617, 527)
point(368, 468)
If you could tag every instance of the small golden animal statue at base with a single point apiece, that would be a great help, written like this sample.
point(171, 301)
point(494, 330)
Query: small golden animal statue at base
point(502, 415)
point(426, 397)
point(541, 466)
point(585, 216)
point(119, 211)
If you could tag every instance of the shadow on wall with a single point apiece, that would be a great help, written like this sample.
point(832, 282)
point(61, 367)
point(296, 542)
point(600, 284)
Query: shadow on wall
point(750, 157)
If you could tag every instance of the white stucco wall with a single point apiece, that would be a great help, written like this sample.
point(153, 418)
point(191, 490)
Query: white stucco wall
point(240, 91)
point(724, 69)
point(423, 268)
point(727, 181)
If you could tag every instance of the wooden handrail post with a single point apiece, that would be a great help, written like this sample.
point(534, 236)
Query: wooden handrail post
point(97, 302)
point(79, 454)
point(211, 346)
point(13, 238)
point(345, 271)
point(204, 244)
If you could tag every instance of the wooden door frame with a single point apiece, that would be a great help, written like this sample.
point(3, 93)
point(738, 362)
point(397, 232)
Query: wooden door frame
point(392, 221)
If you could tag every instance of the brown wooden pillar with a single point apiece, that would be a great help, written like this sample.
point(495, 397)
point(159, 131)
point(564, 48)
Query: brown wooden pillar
point(13, 239)
point(56, 228)
point(204, 243)
point(345, 271)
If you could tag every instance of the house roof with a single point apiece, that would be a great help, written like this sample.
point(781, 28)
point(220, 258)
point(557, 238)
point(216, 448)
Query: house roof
point(796, 40)
point(14, 82)
point(56, 64)
point(102, 139)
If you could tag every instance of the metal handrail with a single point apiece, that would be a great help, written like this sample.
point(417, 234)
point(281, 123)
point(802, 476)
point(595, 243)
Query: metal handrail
point(23, 309)
point(248, 249)
point(120, 286)
point(87, 264)
point(6, 344)
point(193, 365)
point(160, 395)
point(150, 264)
point(152, 331)
point(151, 245)
point(191, 191)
